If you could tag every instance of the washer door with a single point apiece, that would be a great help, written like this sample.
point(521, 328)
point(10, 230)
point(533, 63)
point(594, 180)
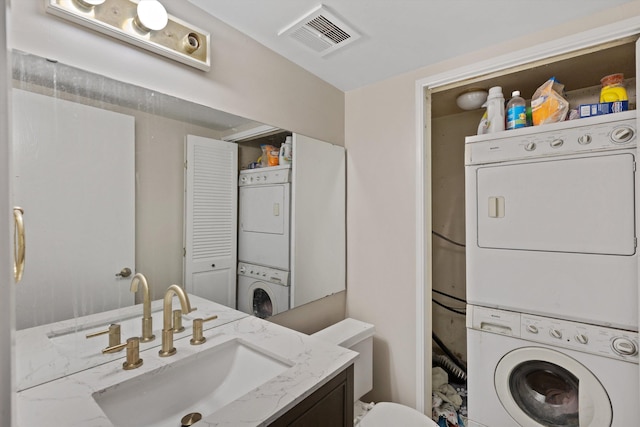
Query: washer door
point(264, 302)
point(540, 387)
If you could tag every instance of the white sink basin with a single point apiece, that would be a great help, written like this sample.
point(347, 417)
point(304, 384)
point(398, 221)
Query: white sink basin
point(203, 383)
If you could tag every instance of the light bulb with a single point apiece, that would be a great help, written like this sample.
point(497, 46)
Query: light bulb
point(152, 16)
point(88, 4)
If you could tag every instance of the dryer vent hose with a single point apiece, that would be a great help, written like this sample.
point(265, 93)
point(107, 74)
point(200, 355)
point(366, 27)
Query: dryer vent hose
point(452, 369)
point(457, 366)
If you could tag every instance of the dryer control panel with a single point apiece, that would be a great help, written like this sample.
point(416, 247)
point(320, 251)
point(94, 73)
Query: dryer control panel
point(613, 343)
point(610, 132)
point(599, 340)
point(265, 176)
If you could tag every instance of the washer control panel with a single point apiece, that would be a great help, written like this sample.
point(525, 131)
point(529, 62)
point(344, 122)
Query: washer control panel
point(599, 340)
point(265, 176)
point(610, 132)
point(266, 274)
point(608, 342)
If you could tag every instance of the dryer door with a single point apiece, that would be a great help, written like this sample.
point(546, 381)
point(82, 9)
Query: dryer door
point(263, 227)
point(540, 387)
point(576, 205)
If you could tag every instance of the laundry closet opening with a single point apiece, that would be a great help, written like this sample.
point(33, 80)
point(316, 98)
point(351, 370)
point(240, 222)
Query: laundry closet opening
point(580, 72)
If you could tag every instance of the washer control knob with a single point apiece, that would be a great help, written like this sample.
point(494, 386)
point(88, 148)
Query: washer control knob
point(622, 135)
point(555, 333)
point(532, 328)
point(530, 146)
point(242, 269)
point(584, 139)
point(582, 338)
point(624, 346)
point(557, 143)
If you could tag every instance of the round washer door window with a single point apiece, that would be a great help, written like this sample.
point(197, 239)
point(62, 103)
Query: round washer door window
point(262, 303)
point(540, 387)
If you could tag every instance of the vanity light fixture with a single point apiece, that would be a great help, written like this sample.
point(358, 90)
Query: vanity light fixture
point(143, 23)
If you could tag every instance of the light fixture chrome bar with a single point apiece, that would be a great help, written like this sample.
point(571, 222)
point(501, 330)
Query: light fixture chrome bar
point(119, 18)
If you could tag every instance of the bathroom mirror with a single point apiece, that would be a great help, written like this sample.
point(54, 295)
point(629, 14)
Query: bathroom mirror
point(157, 125)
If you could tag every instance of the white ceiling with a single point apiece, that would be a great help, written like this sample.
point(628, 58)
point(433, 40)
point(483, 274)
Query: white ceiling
point(397, 35)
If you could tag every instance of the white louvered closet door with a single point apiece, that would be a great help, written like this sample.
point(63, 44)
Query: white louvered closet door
point(211, 205)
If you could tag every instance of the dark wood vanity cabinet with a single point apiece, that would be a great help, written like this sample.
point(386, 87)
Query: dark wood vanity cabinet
point(329, 406)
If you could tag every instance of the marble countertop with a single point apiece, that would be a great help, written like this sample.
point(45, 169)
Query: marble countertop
point(69, 402)
point(45, 353)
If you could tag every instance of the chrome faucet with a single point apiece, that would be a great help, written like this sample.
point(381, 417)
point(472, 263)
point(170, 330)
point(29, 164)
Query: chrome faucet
point(167, 318)
point(147, 320)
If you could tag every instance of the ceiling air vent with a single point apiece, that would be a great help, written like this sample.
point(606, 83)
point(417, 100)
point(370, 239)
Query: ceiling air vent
point(321, 31)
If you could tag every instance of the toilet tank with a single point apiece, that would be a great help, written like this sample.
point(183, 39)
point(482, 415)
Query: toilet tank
point(357, 336)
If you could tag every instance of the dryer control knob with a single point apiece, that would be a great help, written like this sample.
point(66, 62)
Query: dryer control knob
point(532, 328)
point(624, 346)
point(622, 135)
point(556, 143)
point(555, 333)
point(582, 338)
point(584, 139)
point(530, 146)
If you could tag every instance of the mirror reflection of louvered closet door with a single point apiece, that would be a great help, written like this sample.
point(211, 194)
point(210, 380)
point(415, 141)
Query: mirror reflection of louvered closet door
point(211, 206)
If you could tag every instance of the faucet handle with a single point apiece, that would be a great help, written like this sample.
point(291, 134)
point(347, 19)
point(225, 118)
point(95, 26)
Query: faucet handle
point(198, 338)
point(133, 353)
point(147, 330)
point(177, 321)
point(114, 335)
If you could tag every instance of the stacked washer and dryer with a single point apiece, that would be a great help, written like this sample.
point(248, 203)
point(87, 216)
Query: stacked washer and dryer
point(264, 218)
point(552, 275)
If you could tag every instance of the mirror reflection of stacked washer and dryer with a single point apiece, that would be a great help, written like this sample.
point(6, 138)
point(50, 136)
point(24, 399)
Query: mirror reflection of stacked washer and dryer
point(264, 205)
point(552, 273)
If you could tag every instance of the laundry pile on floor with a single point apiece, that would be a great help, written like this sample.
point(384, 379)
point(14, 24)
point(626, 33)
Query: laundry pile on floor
point(448, 405)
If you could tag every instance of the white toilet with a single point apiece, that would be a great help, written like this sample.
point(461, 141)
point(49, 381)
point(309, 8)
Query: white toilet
point(358, 336)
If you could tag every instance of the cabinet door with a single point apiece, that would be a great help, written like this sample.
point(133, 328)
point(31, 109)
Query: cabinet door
point(211, 200)
point(318, 220)
point(331, 405)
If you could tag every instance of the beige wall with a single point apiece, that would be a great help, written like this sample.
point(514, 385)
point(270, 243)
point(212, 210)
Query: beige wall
point(380, 137)
point(380, 230)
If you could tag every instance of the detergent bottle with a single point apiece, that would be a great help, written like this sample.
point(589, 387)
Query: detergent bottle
point(613, 88)
point(494, 121)
point(286, 151)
